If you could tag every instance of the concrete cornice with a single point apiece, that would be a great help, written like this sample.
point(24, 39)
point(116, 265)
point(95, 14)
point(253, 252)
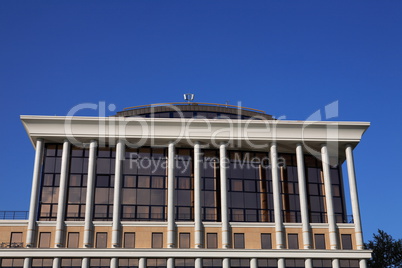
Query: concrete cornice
point(246, 134)
point(185, 253)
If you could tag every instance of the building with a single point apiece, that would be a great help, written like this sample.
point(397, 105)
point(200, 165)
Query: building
point(188, 185)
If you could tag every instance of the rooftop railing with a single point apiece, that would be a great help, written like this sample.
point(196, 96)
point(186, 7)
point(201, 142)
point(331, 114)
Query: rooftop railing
point(194, 103)
point(14, 215)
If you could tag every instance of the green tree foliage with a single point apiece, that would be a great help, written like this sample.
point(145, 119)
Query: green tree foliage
point(387, 251)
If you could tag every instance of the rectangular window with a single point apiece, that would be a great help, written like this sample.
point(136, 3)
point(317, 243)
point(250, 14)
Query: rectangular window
point(238, 240)
point(12, 263)
point(157, 240)
point(42, 263)
point(101, 240)
point(44, 240)
point(212, 240)
point(293, 241)
point(73, 240)
point(99, 263)
point(266, 242)
point(319, 240)
point(128, 263)
point(267, 263)
point(71, 263)
point(16, 240)
point(346, 241)
point(184, 240)
point(322, 263)
point(129, 240)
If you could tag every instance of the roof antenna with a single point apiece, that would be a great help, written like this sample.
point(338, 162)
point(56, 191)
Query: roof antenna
point(188, 97)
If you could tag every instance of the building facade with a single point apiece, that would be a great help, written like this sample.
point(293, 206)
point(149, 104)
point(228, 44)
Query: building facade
point(188, 185)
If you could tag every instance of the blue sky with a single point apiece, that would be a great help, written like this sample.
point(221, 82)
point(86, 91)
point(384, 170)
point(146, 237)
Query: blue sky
point(287, 58)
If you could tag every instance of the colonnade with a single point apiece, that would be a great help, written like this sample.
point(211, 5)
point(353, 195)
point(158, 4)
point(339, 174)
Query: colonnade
point(198, 225)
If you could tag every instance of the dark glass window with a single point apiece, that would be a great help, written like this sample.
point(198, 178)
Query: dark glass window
point(77, 184)
point(184, 185)
point(144, 185)
point(73, 240)
point(266, 241)
point(249, 187)
point(322, 263)
point(50, 182)
point(294, 263)
point(101, 240)
point(128, 263)
point(337, 194)
point(104, 184)
point(210, 179)
point(212, 263)
point(129, 240)
point(349, 263)
point(184, 263)
point(267, 263)
point(238, 240)
point(8, 263)
point(156, 263)
point(212, 240)
point(16, 240)
point(157, 240)
point(290, 188)
point(184, 240)
point(99, 263)
point(319, 240)
point(42, 263)
point(346, 241)
point(71, 263)
point(293, 241)
point(44, 240)
point(315, 189)
point(240, 263)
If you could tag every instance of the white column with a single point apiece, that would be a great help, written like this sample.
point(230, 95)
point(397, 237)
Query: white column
point(56, 263)
point(142, 263)
point(61, 208)
point(354, 197)
point(226, 263)
point(335, 263)
point(363, 263)
point(224, 200)
point(85, 263)
point(281, 263)
point(328, 198)
point(170, 263)
point(253, 263)
point(114, 263)
point(118, 177)
point(33, 208)
point(171, 209)
point(277, 198)
point(88, 236)
point(303, 198)
point(308, 263)
point(198, 263)
point(27, 262)
point(197, 198)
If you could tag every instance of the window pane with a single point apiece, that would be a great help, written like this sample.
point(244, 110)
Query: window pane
point(346, 241)
point(129, 240)
point(44, 240)
point(157, 240)
point(184, 240)
point(293, 242)
point(212, 240)
point(266, 242)
point(101, 240)
point(319, 241)
point(238, 240)
point(73, 240)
